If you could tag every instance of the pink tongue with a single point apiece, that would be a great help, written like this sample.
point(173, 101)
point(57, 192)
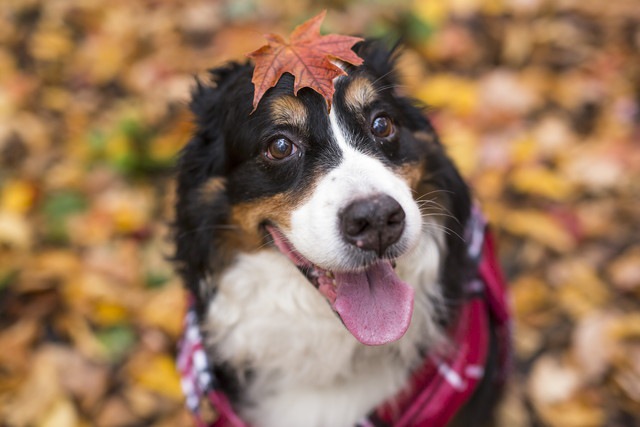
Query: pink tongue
point(375, 305)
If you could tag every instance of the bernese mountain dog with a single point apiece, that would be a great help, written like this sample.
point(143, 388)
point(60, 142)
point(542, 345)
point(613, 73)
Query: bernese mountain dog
point(328, 254)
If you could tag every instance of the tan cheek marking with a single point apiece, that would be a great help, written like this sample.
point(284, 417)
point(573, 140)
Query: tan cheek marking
point(287, 110)
point(433, 202)
point(211, 188)
point(359, 94)
point(412, 174)
point(249, 216)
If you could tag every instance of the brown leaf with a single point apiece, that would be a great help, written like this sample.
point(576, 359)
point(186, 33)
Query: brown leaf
point(625, 270)
point(552, 380)
point(307, 56)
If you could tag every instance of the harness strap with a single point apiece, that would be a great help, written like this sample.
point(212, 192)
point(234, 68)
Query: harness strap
point(435, 392)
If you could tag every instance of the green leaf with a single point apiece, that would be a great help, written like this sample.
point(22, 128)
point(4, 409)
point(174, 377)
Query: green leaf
point(117, 340)
point(57, 208)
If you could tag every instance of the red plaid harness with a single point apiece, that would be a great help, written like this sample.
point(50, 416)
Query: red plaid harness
point(436, 391)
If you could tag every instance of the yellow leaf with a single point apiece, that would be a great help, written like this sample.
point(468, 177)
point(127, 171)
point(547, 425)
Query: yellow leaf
point(524, 149)
point(451, 92)
point(165, 309)
point(51, 44)
point(530, 295)
point(108, 313)
point(489, 185)
point(104, 57)
point(537, 226)
point(574, 413)
point(56, 98)
point(626, 327)
point(542, 182)
point(62, 413)
point(17, 196)
point(158, 374)
point(580, 290)
point(462, 146)
point(493, 7)
point(433, 11)
point(167, 144)
point(118, 147)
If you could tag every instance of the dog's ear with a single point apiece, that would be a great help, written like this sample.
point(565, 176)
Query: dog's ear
point(202, 207)
point(379, 60)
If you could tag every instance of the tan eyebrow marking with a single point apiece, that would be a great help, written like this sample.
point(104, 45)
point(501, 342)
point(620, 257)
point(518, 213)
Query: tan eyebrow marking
point(288, 110)
point(359, 94)
point(211, 188)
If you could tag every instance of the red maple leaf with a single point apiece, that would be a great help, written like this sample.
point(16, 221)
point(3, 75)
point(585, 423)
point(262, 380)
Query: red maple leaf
point(307, 56)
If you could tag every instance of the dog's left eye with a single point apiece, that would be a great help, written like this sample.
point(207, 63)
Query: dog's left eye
point(382, 126)
point(280, 148)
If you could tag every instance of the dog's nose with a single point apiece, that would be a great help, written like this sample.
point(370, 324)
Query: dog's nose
point(374, 223)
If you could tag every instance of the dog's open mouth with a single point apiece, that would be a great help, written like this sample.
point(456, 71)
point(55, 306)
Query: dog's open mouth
point(373, 303)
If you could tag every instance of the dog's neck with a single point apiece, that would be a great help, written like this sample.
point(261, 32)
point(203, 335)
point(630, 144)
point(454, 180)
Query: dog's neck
point(320, 372)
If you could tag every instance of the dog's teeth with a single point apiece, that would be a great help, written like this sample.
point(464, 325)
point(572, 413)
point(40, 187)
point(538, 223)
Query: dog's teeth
point(328, 274)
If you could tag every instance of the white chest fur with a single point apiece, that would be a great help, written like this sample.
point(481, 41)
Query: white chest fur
point(308, 369)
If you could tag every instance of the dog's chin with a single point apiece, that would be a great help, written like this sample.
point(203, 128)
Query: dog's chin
point(373, 303)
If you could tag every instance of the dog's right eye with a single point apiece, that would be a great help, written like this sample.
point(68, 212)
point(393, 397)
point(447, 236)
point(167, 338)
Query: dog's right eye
point(382, 126)
point(280, 148)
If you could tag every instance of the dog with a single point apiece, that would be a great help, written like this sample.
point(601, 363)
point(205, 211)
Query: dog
point(328, 258)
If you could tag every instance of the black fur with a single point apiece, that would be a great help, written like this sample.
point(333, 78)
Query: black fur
point(228, 143)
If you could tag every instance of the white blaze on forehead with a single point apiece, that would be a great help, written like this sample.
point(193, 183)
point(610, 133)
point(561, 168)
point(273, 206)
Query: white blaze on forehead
point(315, 227)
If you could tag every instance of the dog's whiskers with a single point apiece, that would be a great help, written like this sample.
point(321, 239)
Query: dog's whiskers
point(431, 226)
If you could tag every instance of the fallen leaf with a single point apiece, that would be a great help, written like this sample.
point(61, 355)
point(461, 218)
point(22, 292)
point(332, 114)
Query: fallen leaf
point(511, 411)
point(538, 226)
point(552, 380)
point(62, 413)
point(307, 56)
point(578, 412)
point(626, 327)
point(116, 412)
point(462, 147)
point(627, 376)
point(454, 93)
point(593, 345)
point(527, 340)
point(156, 373)
point(19, 338)
point(117, 340)
point(165, 309)
point(580, 289)
point(15, 232)
point(17, 196)
point(84, 379)
point(541, 182)
point(530, 295)
point(38, 393)
point(624, 271)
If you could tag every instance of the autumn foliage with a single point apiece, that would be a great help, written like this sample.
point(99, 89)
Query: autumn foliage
point(308, 56)
point(538, 102)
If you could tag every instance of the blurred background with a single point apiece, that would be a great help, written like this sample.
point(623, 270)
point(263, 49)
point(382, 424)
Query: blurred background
point(537, 101)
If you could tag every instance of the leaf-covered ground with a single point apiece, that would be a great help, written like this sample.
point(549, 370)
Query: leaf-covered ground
point(538, 101)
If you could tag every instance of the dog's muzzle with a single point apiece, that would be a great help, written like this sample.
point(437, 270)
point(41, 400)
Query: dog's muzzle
point(373, 223)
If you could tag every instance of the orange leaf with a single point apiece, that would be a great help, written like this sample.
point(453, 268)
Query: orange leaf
point(307, 56)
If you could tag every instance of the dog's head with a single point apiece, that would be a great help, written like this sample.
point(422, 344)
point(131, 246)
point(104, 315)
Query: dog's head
point(342, 194)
